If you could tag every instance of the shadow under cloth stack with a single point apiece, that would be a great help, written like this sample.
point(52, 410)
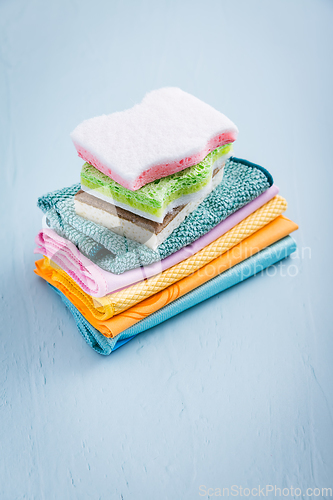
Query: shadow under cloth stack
point(164, 218)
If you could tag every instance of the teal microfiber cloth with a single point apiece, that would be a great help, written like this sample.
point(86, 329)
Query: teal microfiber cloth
point(242, 182)
point(249, 267)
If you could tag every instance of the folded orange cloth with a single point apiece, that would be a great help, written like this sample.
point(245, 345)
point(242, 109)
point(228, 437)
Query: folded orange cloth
point(103, 308)
point(269, 234)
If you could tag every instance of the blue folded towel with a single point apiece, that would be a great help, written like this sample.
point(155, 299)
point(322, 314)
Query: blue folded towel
point(236, 274)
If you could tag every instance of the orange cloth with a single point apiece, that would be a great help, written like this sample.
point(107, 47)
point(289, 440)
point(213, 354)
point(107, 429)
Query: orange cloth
point(269, 234)
point(104, 308)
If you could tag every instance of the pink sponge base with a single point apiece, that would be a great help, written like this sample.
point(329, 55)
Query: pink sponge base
point(157, 171)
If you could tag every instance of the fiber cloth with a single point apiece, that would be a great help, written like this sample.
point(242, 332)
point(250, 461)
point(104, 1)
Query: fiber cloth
point(96, 282)
point(271, 233)
point(236, 274)
point(106, 307)
point(242, 182)
point(157, 198)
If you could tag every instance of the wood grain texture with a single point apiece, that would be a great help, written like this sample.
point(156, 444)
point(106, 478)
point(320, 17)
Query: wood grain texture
point(237, 391)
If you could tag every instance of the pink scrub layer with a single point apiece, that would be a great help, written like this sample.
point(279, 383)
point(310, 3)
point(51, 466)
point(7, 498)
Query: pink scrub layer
point(97, 282)
point(157, 171)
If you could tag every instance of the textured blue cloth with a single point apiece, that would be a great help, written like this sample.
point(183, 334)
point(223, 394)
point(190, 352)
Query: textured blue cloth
point(242, 182)
point(236, 274)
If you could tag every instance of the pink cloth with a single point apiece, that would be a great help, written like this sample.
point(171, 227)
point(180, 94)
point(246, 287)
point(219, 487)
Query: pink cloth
point(97, 282)
point(157, 171)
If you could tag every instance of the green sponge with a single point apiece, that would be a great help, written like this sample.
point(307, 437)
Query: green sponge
point(154, 200)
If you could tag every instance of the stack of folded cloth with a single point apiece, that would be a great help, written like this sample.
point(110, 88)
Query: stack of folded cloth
point(164, 217)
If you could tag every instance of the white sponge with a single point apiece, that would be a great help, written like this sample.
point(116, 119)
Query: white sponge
point(167, 132)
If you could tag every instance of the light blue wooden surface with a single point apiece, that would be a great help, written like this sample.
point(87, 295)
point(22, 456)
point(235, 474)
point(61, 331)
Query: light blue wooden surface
point(237, 391)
